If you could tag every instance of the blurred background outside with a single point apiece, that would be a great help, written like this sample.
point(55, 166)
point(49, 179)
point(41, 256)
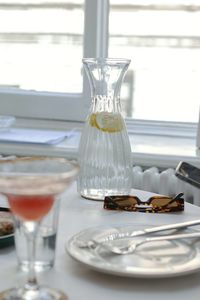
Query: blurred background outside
point(41, 48)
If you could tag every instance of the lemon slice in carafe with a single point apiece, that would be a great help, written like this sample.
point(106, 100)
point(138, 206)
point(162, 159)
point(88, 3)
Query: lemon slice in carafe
point(92, 120)
point(107, 122)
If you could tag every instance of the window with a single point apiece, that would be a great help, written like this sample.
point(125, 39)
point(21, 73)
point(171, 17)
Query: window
point(42, 48)
point(162, 37)
point(41, 57)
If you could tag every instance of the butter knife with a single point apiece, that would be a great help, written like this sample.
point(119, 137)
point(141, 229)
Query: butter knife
point(155, 229)
point(181, 225)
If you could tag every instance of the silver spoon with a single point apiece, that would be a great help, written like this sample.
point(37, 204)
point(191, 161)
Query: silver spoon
point(182, 225)
point(92, 244)
point(133, 245)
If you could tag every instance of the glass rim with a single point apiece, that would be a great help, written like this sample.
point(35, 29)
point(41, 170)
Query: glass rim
point(29, 159)
point(106, 60)
point(37, 175)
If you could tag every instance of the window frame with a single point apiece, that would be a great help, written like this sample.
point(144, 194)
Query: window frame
point(74, 107)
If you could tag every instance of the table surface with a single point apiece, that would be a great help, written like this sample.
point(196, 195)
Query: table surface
point(80, 282)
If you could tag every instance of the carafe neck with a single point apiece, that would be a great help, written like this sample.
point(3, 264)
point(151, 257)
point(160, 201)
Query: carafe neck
point(105, 77)
point(105, 103)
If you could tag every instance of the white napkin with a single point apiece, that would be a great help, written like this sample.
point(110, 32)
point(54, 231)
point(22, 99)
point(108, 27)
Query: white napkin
point(35, 136)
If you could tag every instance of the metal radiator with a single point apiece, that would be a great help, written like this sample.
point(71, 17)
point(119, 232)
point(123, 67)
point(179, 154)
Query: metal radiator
point(165, 183)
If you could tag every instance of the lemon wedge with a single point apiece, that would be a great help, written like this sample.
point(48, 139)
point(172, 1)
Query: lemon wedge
point(92, 121)
point(107, 122)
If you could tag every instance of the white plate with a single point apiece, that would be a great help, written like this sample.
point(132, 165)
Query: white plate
point(155, 260)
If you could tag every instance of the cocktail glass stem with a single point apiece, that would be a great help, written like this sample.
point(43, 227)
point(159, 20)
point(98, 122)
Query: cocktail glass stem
point(30, 231)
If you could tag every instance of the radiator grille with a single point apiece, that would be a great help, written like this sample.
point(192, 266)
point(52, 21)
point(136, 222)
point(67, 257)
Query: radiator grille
point(165, 183)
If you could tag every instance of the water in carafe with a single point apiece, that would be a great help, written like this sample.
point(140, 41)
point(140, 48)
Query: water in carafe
point(104, 150)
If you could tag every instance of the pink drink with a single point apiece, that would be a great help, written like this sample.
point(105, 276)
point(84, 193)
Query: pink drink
point(30, 207)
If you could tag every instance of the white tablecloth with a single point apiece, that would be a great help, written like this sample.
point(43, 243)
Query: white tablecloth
point(81, 283)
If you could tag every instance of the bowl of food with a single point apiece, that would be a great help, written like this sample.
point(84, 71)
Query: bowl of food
point(6, 228)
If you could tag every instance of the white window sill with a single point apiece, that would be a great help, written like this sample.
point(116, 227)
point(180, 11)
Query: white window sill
point(147, 149)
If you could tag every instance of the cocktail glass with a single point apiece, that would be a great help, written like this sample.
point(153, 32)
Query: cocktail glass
point(31, 186)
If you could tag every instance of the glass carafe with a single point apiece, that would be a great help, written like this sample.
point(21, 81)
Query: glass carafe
point(104, 150)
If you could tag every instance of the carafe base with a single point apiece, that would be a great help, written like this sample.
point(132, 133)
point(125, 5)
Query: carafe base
point(99, 195)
